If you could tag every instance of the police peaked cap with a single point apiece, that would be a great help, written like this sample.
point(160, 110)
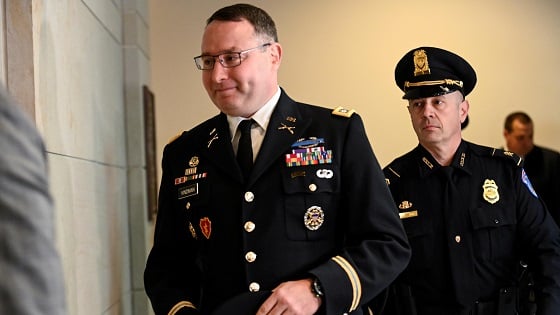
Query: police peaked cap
point(430, 71)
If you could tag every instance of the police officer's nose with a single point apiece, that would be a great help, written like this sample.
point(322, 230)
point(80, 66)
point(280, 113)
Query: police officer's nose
point(428, 110)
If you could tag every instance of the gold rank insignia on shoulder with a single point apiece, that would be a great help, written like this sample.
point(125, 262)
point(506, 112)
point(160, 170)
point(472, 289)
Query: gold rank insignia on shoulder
point(344, 112)
point(490, 191)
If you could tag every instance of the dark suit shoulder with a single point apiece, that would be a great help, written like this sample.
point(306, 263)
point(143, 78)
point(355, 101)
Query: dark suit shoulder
point(546, 152)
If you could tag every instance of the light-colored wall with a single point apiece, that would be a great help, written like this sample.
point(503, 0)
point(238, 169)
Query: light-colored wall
point(344, 53)
point(91, 59)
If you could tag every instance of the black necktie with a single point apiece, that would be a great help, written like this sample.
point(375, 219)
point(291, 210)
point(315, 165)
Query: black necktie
point(460, 244)
point(245, 148)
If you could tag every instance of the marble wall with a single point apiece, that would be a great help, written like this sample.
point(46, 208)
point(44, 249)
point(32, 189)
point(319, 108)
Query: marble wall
point(91, 60)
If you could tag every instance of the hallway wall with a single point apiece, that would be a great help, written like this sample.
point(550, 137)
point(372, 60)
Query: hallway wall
point(91, 60)
point(344, 53)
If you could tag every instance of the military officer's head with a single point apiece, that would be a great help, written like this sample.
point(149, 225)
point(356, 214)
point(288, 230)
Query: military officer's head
point(435, 83)
point(240, 57)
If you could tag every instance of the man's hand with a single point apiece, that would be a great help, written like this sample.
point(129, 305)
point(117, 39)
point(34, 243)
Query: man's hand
point(291, 298)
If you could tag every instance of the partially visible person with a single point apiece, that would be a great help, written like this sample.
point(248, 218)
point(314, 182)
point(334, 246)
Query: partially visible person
point(541, 164)
point(31, 280)
point(469, 211)
point(305, 225)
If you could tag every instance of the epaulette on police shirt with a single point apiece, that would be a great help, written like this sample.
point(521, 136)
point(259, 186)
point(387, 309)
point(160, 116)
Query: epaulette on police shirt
point(344, 112)
point(508, 155)
point(391, 175)
point(396, 168)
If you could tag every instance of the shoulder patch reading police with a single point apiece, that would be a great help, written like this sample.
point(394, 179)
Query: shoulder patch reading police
point(344, 112)
point(527, 183)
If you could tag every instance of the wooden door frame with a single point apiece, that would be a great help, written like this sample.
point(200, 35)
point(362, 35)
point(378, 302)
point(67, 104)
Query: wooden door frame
point(16, 38)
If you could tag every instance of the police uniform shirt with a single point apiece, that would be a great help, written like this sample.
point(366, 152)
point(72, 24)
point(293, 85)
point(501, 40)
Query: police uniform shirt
point(315, 204)
point(495, 217)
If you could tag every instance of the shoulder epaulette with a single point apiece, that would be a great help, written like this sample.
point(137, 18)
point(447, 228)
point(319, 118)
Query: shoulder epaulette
point(344, 112)
point(391, 175)
point(175, 137)
point(516, 159)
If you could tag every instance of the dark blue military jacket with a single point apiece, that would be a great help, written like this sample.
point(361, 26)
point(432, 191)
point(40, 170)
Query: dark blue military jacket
point(325, 212)
point(467, 240)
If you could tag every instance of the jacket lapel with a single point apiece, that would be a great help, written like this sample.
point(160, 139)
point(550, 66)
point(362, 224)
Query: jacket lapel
point(285, 127)
point(218, 147)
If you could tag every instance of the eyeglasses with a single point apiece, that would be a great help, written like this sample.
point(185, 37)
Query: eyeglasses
point(227, 60)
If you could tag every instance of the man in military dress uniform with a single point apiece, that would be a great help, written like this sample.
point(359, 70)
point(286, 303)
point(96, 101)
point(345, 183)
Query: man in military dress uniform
point(309, 228)
point(469, 211)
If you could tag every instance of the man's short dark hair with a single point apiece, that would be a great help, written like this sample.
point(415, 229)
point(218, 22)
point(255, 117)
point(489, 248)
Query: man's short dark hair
point(262, 22)
point(520, 116)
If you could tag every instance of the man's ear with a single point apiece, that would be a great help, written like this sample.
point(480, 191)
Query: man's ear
point(276, 53)
point(464, 110)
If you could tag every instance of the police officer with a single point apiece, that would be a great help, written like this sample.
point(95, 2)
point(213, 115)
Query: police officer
point(309, 228)
point(469, 211)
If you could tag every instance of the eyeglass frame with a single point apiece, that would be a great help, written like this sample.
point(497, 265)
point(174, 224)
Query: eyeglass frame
point(221, 59)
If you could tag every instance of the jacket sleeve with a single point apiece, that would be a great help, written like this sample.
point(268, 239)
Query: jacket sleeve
point(540, 234)
point(375, 250)
point(32, 279)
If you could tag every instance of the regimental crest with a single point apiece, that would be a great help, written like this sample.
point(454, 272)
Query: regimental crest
point(421, 65)
point(193, 162)
point(490, 191)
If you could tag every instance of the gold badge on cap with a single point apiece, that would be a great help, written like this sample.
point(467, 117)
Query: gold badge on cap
point(490, 191)
point(314, 218)
point(421, 66)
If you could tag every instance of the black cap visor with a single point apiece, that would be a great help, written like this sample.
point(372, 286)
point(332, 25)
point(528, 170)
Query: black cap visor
point(429, 91)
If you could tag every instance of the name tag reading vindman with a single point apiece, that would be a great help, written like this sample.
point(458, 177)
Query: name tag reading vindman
point(188, 191)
